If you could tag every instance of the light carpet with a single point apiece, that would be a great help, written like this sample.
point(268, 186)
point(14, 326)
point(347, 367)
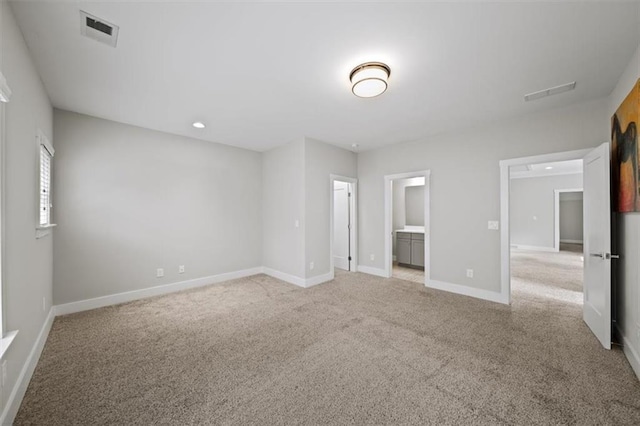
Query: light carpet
point(359, 350)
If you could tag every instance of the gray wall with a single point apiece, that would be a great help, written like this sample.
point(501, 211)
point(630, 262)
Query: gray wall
point(131, 200)
point(571, 217)
point(27, 262)
point(414, 205)
point(322, 160)
point(628, 241)
point(533, 208)
point(465, 185)
point(283, 204)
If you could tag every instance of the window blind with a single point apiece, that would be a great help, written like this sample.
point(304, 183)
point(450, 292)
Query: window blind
point(45, 186)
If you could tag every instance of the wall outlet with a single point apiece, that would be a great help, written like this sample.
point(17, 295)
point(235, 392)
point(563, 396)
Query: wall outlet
point(311, 265)
point(44, 304)
point(160, 273)
point(372, 256)
point(469, 273)
point(296, 223)
point(181, 269)
point(493, 225)
point(4, 372)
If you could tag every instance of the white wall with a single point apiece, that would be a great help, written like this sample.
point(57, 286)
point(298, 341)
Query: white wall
point(130, 200)
point(532, 210)
point(283, 205)
point(571, 217)
point(627, 288)
point(27, 263)
point(321, 161)
point(465, 185)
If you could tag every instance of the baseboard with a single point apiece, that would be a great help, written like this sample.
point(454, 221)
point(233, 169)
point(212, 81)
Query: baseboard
point(533, 248)
point(129, 296)
point(20, 388)
point(310, 282)
point(572, 241)
point(630, 352)
point(372, 271)
point(291, 279)
point(464, 290)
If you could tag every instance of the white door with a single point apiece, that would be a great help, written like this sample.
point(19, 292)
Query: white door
point(597, 244)
point(341, 219)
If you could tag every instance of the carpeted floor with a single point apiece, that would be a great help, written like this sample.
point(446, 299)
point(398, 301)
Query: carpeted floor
point(358, 350)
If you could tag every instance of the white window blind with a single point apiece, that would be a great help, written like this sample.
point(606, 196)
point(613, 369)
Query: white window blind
point(45, 186)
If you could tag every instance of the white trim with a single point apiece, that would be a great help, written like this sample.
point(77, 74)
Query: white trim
point(505, 232)
point(20, 387)
point(630, 352)
point(291, 279)
point(372, 271)
point(556, 215)
point(5, 342)
point(354, 221)
point(541, 173)
point(388, 221)
point(310, 282)
point(572, 241)
point(478, 293)
point(533, 248)
point(129, 296)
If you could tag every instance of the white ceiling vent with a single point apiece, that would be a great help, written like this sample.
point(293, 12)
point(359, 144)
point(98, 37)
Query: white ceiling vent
point(98, 29)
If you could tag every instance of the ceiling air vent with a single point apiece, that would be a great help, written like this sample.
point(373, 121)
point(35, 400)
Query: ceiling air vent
point(98, 29)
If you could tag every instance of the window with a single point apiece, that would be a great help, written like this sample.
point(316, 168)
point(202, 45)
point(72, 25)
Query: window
point(45, 153)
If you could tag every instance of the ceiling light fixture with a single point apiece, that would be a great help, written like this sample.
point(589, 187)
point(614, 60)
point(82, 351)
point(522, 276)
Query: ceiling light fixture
point(198, 125)
point(550, 91)
point(369, 79)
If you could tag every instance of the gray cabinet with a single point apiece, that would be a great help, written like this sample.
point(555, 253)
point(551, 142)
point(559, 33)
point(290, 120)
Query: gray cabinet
point(410, 249)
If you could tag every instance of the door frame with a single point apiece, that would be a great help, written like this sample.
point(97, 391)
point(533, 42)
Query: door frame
point(505, 188)
point(556, 214)
point(388, 221)
point(353, 267)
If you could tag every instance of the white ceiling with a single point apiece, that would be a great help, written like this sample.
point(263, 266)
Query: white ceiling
point(546, 169)
point(260, 74)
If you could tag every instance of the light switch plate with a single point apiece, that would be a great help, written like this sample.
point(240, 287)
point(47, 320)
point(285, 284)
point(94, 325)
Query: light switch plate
point(493, 225)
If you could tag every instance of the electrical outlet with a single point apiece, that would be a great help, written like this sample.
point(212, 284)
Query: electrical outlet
point(493, 225)
point(469, 273)
point(44, 304)
point(181, 269)
point(311, 266)
point(296, 223)
point(4, 372)
point(372, 257)
point(160, 273)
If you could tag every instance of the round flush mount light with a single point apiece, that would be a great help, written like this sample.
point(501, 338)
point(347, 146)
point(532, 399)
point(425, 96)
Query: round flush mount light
point(369, 79)
point(198, 125)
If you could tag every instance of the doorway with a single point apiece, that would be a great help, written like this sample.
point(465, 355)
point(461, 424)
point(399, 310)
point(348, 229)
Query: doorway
point(407, 226)
point(596, 256)
point(343, 226)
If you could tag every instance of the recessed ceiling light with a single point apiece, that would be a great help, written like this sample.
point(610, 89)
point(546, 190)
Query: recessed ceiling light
point(369, 79)
point(198, 125)
point(550, 91)
point(548, 167)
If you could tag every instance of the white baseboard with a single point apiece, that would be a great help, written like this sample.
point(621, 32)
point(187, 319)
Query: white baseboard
point(630, 352)
point(478, 293)
point(20, 388)
point(310, 282)
point(533, 248)
point(372, 271)
point(129, 296)
point(291, 279)
point(572, 241)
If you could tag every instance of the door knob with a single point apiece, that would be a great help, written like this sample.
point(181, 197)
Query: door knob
point(613, 256)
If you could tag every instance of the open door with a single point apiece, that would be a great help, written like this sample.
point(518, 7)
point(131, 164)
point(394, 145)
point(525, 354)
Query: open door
point(597, 244)
point(342, 225)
